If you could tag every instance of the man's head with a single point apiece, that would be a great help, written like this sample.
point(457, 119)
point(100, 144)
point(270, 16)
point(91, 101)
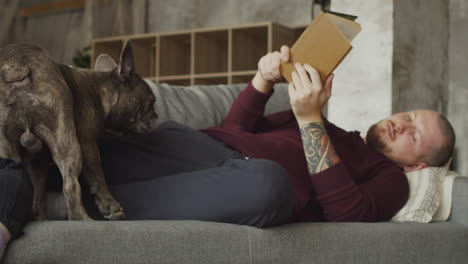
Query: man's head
point(414, 139)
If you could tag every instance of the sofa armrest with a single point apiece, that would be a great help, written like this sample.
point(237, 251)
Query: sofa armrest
point(459, 213)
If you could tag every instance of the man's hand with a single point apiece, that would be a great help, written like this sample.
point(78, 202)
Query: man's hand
point(269, 70)
point(308, 97)
point(307, 94)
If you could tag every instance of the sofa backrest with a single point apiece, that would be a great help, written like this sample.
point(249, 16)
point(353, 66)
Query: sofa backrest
point(202, 106)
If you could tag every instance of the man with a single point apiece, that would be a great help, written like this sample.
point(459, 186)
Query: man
point(348, 180)
point(300, 166)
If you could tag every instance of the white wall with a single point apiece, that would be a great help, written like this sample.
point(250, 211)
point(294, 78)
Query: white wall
point(362, 91)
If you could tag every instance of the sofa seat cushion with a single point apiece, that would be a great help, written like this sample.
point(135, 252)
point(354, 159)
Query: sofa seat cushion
point(181, 242)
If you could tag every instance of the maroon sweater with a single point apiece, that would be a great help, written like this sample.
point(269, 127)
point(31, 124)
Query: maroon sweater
point(365, 186)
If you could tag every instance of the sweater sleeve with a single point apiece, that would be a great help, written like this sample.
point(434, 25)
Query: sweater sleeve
point(247, 110)
point(377, 199)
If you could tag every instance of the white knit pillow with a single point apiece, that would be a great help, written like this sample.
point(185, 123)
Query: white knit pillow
point(443, 212)
point(425, 195)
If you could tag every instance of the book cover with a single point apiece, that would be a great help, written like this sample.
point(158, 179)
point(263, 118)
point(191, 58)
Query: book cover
point(323, 44)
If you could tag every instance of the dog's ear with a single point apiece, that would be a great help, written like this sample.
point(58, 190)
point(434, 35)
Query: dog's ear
point(104, 63)
point(127, 64)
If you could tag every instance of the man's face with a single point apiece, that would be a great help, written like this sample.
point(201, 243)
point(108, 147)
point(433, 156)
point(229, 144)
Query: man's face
point(406, 138)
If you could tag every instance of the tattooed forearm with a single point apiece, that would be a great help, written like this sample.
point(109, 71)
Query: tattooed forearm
point(318, 148)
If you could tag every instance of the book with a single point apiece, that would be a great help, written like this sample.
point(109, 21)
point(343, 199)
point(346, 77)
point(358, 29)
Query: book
point(323, 44)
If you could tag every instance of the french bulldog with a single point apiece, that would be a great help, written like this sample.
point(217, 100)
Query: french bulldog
point(53, 112)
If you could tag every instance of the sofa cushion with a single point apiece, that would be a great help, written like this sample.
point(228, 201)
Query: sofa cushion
point(182, 242)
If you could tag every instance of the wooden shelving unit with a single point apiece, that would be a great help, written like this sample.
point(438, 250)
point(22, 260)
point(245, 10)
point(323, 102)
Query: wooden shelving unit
point(201, 56)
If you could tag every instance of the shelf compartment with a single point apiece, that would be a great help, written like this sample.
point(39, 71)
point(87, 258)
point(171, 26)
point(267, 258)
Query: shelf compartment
point(211, 80)
point(112, 47)
point(175, 52)
point(242, 77)
point(211, 51)
point(282, 36)
point(144, 52)
point(248, 46)
point(298, 31)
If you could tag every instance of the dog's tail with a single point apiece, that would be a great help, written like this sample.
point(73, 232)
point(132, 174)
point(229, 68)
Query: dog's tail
point(32, 143)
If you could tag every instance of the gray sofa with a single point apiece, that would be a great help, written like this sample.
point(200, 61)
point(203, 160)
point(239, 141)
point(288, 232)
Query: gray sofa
point(178, 242)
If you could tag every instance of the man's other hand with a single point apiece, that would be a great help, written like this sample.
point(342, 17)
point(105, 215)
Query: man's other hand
point(307, 93)
point(269, 70)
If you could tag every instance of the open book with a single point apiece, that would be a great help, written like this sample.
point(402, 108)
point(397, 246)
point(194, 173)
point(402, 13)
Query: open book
point(323, 44)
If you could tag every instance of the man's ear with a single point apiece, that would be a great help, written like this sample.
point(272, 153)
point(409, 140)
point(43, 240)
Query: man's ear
point(417, 166)
point(104, 63)
point(127, 64)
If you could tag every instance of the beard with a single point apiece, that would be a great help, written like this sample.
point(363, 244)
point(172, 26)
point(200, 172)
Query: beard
point(374, 141)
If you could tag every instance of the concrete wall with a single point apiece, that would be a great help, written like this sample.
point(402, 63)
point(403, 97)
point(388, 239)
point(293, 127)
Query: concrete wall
point(458, 84)
point(363, 84)
point(61, 34)
point(188, 14)
point(420, 55)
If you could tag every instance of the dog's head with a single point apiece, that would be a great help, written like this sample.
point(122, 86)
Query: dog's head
point(133, 112)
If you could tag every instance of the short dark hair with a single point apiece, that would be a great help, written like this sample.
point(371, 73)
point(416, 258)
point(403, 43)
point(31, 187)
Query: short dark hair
point(441, 154)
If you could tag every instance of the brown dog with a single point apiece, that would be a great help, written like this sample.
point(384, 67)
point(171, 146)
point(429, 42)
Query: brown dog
point(67, 109)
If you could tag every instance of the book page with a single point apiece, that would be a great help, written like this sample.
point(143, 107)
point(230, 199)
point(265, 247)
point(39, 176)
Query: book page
point(349, 28)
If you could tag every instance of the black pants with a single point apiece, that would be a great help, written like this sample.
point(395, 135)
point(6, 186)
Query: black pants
point(180, 173)
point(16, 194)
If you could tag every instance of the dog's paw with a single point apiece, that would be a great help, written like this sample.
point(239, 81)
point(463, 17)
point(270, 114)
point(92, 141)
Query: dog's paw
point(115, 216)
point(110, 209)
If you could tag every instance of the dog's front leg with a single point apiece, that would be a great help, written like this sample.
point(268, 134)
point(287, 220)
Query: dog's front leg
point(66, 153)
point(93, 173)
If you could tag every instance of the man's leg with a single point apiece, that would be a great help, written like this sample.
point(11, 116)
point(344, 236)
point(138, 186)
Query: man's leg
point(250, 192)
point(180, 173)
point(16, 194)
point(171, 149)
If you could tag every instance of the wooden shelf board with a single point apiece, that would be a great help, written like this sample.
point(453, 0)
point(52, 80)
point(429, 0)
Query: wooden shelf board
point(175, 33)
point(125, 37)
point(241, 73)
point(252, 25)
point(175, 77)
point(210, 75)
point(140, 37)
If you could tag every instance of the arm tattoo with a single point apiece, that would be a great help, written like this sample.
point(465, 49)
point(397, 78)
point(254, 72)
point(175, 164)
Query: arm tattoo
point(318, 148)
